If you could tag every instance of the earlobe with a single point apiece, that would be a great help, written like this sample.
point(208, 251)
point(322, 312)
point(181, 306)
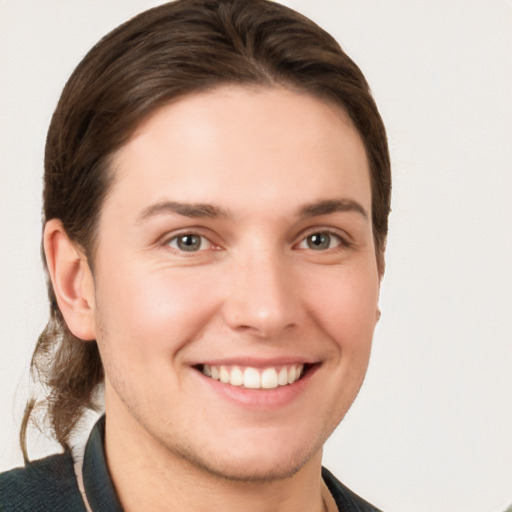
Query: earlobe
point(71, 279)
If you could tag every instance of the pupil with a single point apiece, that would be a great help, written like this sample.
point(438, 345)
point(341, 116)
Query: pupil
point(318, 241)
point(189, 242)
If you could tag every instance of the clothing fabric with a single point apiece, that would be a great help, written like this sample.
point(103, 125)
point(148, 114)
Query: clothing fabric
point(50, 484)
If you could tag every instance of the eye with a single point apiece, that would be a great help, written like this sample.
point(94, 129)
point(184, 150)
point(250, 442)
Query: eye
point(189, 242)
point(321, 241)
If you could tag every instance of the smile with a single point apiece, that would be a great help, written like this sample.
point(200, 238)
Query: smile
point(254, 378)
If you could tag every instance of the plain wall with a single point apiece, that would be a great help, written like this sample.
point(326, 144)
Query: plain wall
point(432, 427)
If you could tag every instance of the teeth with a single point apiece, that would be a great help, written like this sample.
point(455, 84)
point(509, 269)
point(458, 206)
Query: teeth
point(254, 378)
point(269, 378)
point(236, 377)
point(223, 375)
point(291, 374)
point(282, 378)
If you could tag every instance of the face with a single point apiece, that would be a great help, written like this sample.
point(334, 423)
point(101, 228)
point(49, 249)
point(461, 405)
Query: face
point(235, 279)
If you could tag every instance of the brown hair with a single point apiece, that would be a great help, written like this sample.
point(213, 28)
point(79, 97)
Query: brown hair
point(160, 55)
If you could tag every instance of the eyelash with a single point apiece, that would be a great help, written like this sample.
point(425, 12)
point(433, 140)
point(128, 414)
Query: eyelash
point(342, 241)
point(190, 234)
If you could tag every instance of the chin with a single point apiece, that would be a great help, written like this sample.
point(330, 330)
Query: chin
point(250, 471)
point(258, 465)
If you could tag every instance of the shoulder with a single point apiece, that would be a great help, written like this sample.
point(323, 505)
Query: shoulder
point(47, 484)
point(345, 499)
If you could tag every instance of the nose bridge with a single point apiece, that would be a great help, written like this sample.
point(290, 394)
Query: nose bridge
point(261, 298)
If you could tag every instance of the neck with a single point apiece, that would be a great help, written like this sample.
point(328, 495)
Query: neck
point(148, 477)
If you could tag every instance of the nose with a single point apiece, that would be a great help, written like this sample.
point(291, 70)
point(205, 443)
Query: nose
point(262, 298)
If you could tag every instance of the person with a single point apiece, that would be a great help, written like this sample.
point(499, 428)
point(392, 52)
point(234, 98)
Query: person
point(216, 199)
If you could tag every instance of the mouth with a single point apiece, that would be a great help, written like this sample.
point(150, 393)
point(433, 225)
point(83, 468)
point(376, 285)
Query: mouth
point(249, 377)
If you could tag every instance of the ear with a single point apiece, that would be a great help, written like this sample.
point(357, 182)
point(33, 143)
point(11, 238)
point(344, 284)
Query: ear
point(72, 280)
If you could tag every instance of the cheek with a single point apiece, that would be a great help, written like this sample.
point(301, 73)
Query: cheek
point(344, 302)
point(148, 314)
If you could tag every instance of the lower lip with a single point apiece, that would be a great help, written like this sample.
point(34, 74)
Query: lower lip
point(260, 398)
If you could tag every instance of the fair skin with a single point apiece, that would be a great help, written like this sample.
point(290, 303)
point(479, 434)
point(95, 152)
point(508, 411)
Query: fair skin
point(236, 243)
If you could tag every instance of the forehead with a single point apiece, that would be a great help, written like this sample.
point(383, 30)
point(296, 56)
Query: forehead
point(233, 145)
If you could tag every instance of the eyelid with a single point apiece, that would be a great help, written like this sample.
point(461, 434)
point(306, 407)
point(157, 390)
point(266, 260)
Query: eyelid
point(204, 241)
point(345, 239)
point(166, 240)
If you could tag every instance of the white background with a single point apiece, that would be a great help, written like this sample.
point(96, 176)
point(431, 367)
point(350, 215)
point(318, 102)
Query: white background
point(432, 428)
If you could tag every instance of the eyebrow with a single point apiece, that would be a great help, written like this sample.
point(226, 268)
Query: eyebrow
point(192, 210)
point(210, 211)
point(325, 207)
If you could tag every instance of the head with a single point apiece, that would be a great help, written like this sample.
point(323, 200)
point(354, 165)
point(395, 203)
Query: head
point(188, 55)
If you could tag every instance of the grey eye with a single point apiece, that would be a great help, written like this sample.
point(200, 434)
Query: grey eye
point(322, 241)
point(187, 242)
